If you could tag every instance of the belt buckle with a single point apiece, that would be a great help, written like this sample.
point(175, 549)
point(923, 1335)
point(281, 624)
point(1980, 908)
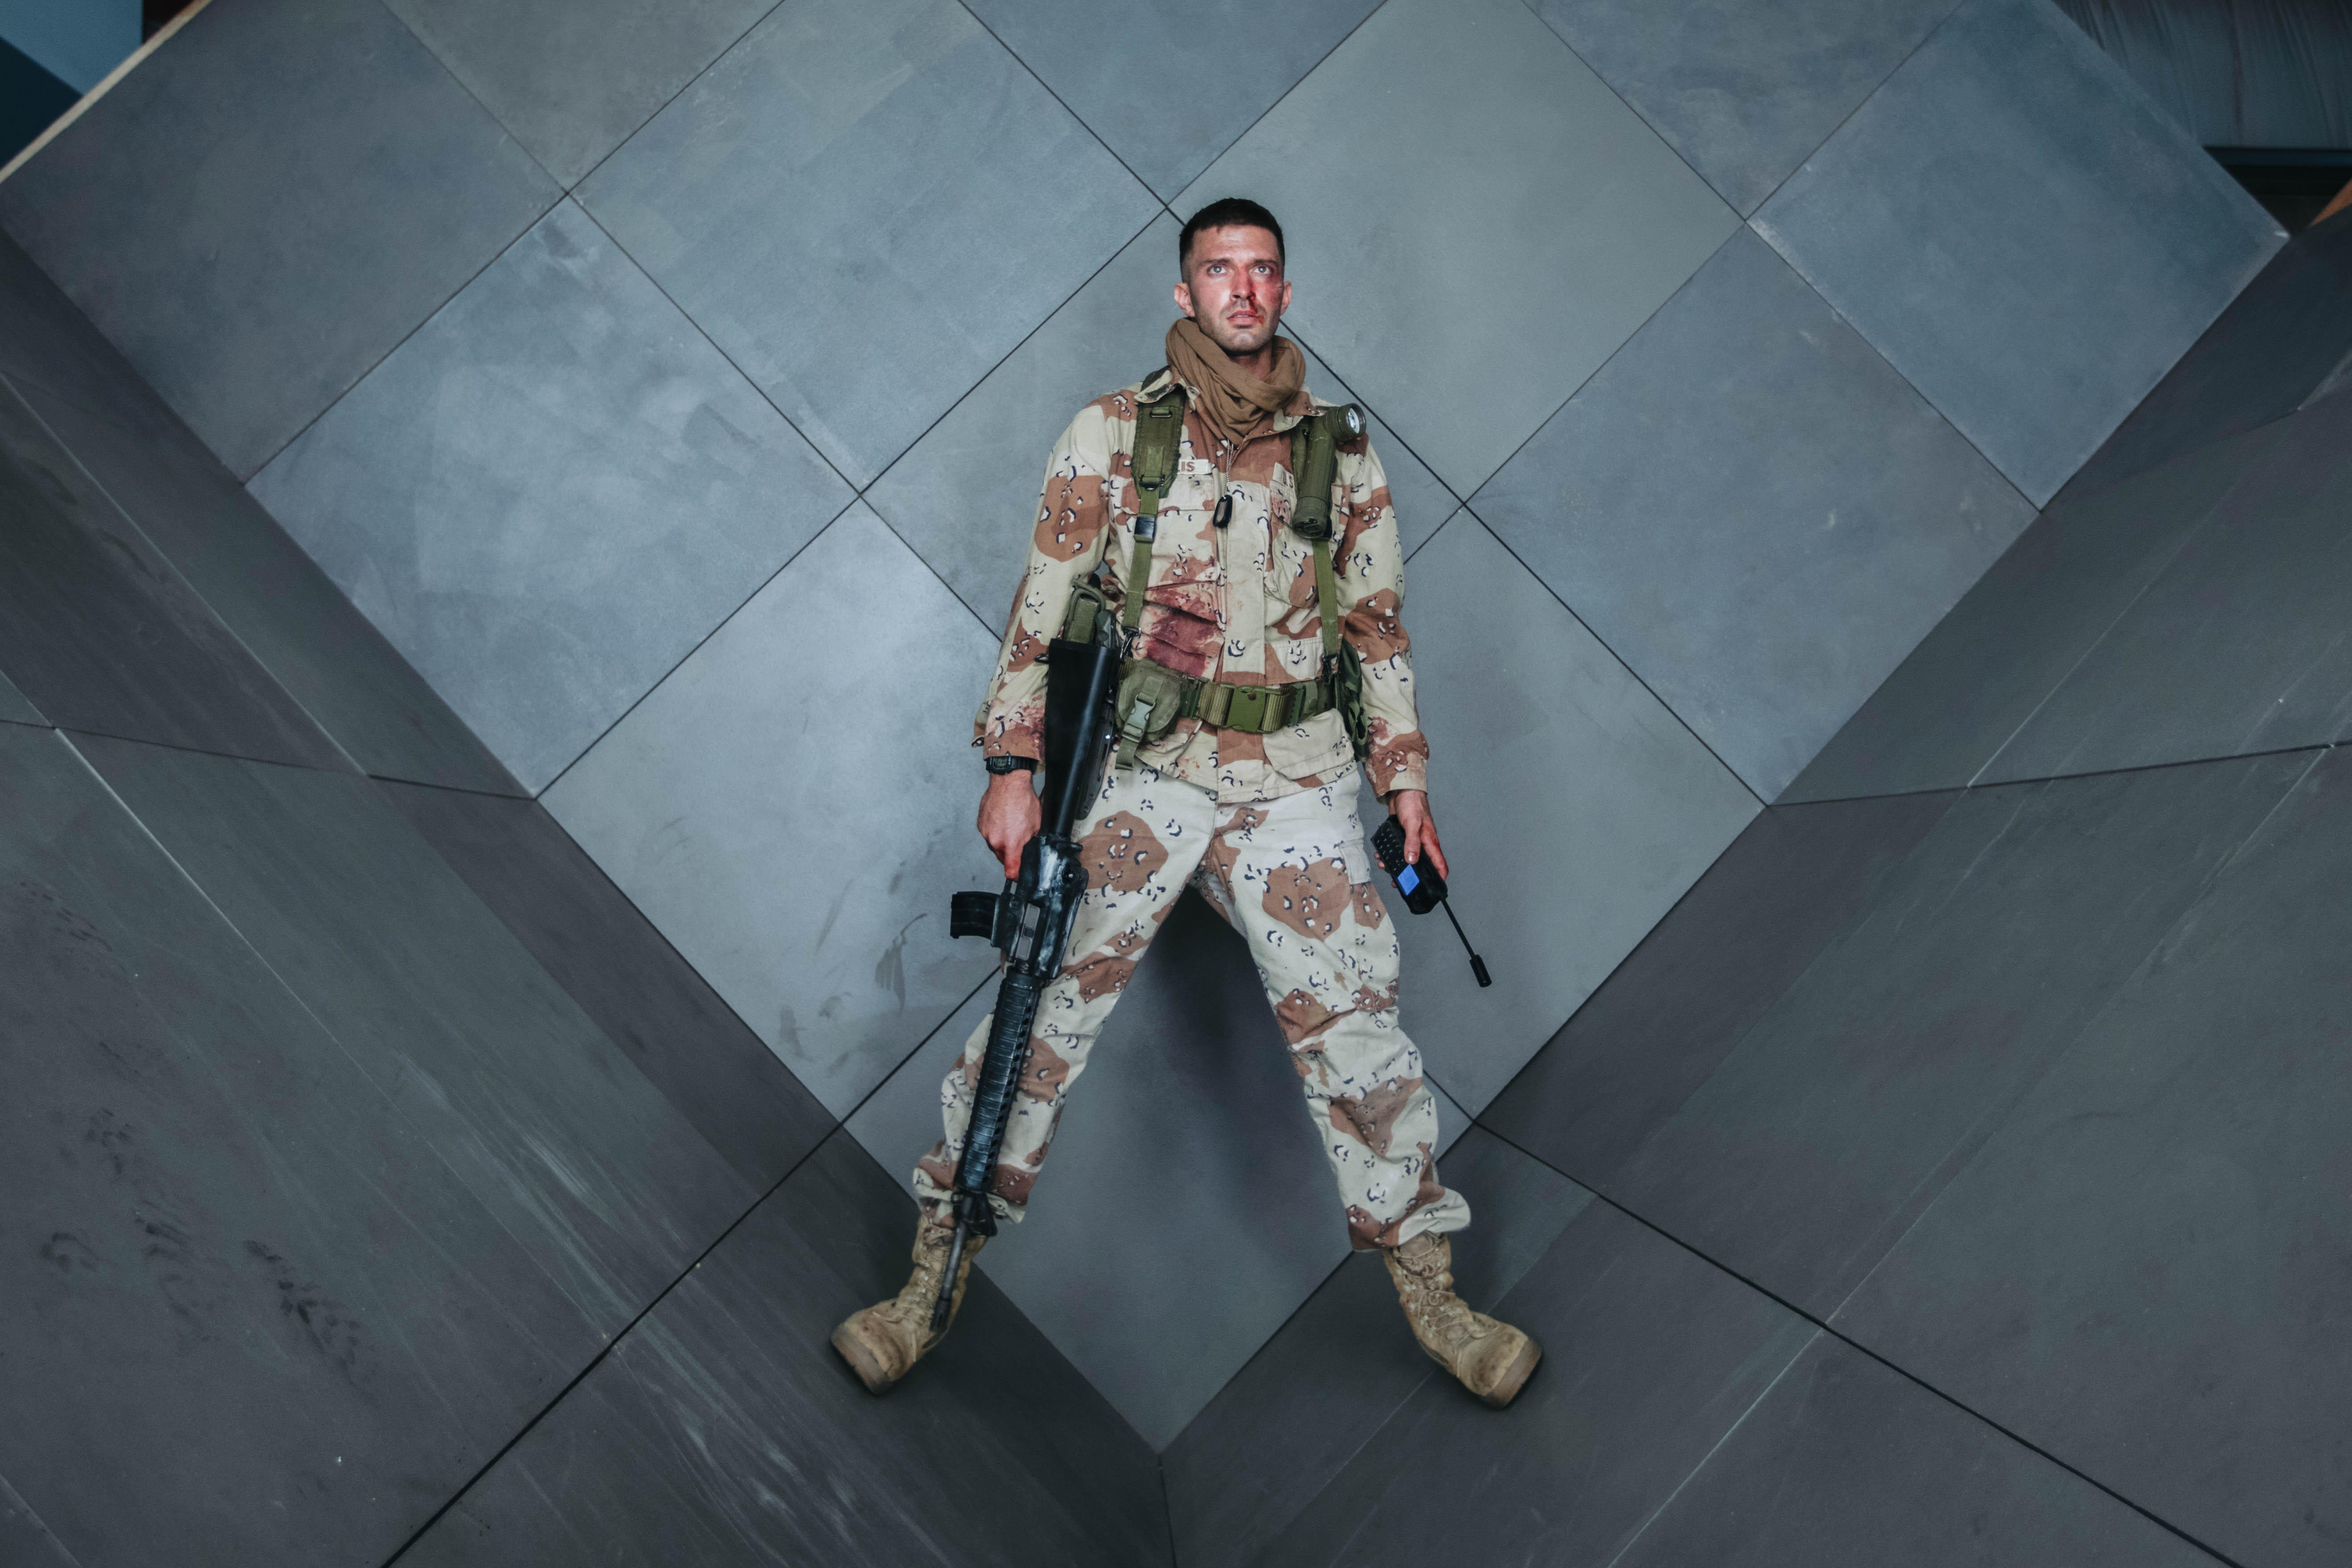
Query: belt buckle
point(1246, 710)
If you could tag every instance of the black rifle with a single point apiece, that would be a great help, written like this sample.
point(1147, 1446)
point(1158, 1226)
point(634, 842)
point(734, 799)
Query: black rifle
point(1030, 921)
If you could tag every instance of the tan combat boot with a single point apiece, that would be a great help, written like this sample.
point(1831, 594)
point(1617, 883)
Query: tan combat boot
point(882, 1343)
point(1492, 1360)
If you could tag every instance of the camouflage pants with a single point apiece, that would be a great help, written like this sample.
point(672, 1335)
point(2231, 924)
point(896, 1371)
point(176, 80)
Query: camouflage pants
point(1295, 876)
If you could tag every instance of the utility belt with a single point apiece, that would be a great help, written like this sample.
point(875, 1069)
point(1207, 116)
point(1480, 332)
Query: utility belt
point(1151, 696)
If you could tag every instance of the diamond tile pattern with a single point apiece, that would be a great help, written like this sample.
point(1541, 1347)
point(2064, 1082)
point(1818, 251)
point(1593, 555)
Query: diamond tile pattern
point(1744, 88)
point(840, 201)
point(2012, 224)
point(571, 78)
point(165, 216)
point(1384, 162)
point(1805, 516)
point(1088, 52)
point(793, 821)
point(550, 494)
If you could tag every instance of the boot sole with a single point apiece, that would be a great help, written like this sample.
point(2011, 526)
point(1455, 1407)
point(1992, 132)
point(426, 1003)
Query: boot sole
point(861, 1361)
point(1522, 1367)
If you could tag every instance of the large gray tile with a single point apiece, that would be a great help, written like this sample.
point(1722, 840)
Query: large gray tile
point(965, 496)
point(1584, 228)
point(1946, 711)
point(792, 806)
point(867, 205)
point(251, 1315)
point(2011, 224)
point(553, 491)
point(646, 999)
point(1192, 1067)
point(267, 204)
point(2276, 344)
point(2238, 646)
point(49, 343)
point(600, 1180)
point(1744, 89)
point(276, 601)
point(100, 632)
point(23, 1538)
point(1279, 1433)
point(571, 78)
point(1849, 1462)
point(1650, 1356)
point(1575, 810)
point(1666, 1017)
point(2142, 1272)
point(1106, 63)
point(723, 1428)
point(1754, 512)
point(1849, 1104)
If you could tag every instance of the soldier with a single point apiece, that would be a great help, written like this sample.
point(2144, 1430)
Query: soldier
point(1250, 796)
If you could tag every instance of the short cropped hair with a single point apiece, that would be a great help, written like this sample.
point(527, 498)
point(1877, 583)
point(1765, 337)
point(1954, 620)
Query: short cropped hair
point(1228, 212)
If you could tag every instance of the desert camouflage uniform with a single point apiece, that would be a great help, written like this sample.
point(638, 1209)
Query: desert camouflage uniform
point(1266, 826)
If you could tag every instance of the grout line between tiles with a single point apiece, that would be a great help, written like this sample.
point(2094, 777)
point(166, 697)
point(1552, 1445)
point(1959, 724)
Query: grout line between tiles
point(1634, 110)
point(1952, 11)
point(246, 480)
point(723, 622)
point(1896, 1367)
point(611, 1344)
point(178, 576)
point(293, 995)
point(1705, 1459)
point(467, 87)
point(1761, 804)
point(1983, 784)
point(2188, 534)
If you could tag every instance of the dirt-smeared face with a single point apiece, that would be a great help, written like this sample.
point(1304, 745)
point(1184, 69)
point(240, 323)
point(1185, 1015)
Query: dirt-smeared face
point(1234, 288)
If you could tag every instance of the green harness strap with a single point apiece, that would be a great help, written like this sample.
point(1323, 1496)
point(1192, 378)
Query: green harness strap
point(1314, 467)
point(1158, 433)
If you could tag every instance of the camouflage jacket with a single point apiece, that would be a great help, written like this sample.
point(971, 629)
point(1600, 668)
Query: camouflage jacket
point(1236, 604)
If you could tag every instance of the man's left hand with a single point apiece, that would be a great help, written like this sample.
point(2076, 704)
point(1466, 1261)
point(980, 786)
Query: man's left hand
point(1412, 809)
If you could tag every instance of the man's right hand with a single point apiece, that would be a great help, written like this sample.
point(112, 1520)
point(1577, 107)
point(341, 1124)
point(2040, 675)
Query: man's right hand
point(1009, 817)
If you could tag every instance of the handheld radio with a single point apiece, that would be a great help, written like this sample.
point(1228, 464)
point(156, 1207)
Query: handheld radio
point(1423, 889)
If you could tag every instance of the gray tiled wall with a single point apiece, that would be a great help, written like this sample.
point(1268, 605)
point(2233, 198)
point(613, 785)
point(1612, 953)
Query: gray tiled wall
point(584, 463)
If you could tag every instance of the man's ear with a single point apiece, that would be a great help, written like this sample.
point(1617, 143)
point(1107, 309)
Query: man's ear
point(1184, 298)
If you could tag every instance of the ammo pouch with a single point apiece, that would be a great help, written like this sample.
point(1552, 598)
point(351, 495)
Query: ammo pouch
point(1151, 696)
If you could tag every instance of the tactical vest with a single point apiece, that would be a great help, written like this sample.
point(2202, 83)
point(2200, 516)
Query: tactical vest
point(1153, 697)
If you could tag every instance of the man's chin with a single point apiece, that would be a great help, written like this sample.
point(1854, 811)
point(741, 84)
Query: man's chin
point(1238, 344)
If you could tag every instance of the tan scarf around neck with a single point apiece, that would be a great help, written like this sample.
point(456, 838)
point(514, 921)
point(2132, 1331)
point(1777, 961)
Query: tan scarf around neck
point(1234, 402)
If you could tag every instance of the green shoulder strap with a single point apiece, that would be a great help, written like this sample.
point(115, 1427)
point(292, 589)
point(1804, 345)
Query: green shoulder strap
point(1315, 469)
point(1159, 434)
